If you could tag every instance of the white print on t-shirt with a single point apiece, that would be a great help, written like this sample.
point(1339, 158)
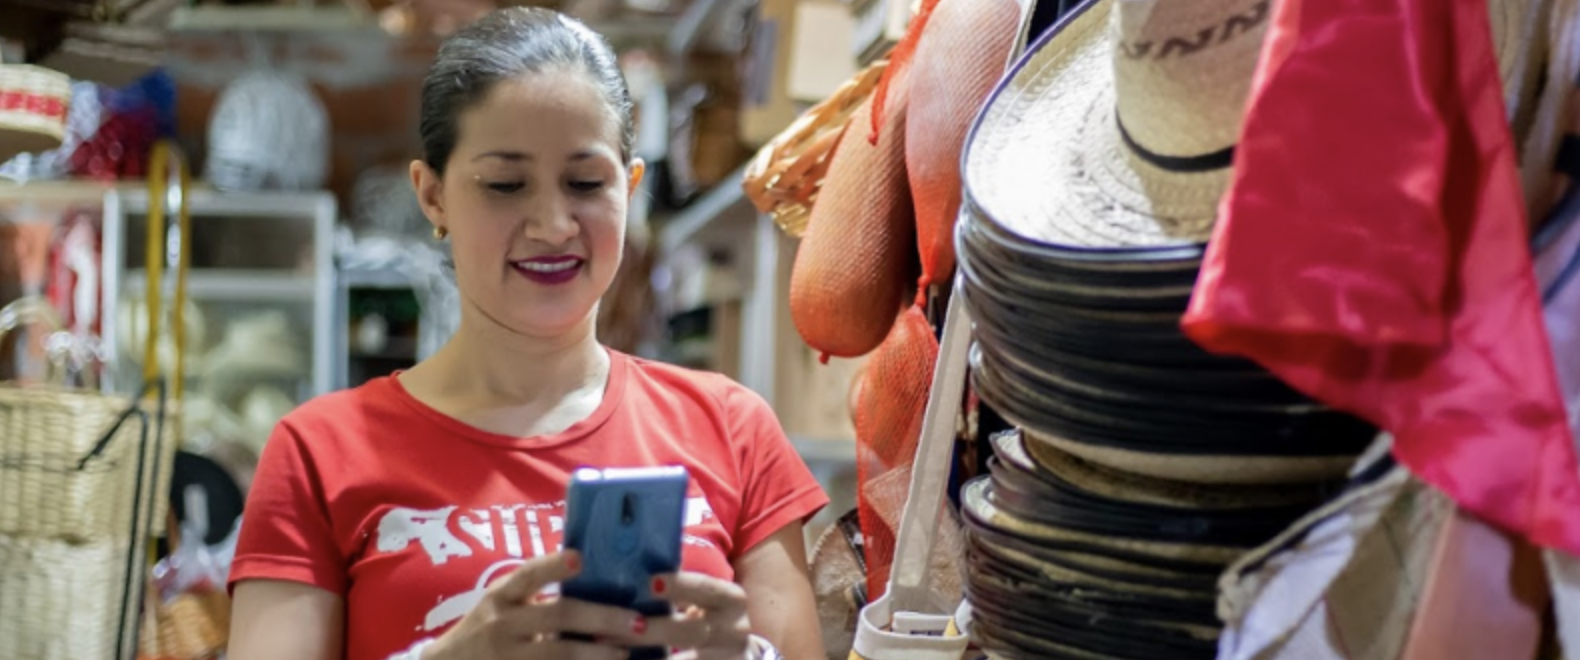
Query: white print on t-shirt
point(455, 607)
point(519, 530)
point(434, 529)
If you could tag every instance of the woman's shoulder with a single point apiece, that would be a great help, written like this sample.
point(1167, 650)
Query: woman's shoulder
point(346, 415)
point(708, 388)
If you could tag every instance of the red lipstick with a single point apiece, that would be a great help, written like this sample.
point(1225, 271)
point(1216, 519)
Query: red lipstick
point(550, 270)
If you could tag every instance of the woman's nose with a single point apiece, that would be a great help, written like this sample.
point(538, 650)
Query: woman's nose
point(552, 221)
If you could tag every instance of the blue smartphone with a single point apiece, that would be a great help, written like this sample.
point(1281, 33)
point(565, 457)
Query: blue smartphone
point(627, 524)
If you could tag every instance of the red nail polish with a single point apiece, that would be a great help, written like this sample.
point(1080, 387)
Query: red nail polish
point(573, 563)
point(639, 625)
point(659, 587)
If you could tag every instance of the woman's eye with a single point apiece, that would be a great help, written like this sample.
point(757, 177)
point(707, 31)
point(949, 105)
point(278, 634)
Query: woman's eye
point(506, 187)
point(586, 186)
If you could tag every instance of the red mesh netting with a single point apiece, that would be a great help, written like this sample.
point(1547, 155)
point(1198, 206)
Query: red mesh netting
point(957, 62)
point(888, 420)
point(857, 260)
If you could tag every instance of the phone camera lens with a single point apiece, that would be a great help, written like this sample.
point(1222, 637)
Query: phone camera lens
point(628, 510)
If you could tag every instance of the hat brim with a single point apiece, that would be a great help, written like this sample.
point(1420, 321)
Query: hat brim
point(1050, 127)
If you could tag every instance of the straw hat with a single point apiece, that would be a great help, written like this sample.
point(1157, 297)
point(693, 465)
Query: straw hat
point(1131, 110)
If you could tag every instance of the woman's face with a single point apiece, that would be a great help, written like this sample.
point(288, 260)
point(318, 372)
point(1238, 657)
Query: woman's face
point(534, 199)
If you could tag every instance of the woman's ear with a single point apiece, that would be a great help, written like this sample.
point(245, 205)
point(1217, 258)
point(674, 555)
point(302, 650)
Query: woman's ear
point(429, 188)
point(638, 170)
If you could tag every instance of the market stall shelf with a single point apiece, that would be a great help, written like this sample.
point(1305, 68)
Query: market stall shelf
point(260, 317)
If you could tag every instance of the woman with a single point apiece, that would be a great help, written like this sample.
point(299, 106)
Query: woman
point(420, 515)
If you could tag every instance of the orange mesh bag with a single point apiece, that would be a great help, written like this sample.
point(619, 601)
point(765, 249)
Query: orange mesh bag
point(957, 62)
point(858, 258)
point(893, 398)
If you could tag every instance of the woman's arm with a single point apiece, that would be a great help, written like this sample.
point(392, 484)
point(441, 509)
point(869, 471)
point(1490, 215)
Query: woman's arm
point(278, 619)
point(779, 594)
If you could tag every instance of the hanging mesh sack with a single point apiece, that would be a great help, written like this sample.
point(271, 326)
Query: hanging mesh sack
point(958, 60)
point(857, 260)
point(888, 421)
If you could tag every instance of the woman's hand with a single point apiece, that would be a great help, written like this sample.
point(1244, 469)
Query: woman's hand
point(510, 622)
point(711, 619)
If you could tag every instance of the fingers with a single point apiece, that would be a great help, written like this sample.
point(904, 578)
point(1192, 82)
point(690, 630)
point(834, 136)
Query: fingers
point(558, 649)
point(713, 618)
point(677, 632)
point(534, 575)
point(573, 616)
point(717, 597)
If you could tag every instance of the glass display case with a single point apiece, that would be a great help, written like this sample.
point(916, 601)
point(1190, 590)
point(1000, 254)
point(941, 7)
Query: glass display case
point(261, 294)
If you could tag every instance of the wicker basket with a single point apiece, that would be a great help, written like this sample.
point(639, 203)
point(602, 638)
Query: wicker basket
point(190, 626)
point(61, 601)
point(33, 104)
point(56, 481)
point(784, 177)
point(82, 482)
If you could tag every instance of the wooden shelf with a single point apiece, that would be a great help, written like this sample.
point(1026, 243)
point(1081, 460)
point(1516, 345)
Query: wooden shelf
point(240, 285)
point(67, 191)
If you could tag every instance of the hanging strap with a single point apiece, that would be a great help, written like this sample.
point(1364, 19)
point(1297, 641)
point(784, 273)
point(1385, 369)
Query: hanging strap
point(169, 181)
point(909, 577)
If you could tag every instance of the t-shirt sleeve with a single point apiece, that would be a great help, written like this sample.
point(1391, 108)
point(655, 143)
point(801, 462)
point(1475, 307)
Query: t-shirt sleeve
point(285, 527)
point(778, 488)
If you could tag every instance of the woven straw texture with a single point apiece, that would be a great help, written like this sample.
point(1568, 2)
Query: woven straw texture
point(68, 607)
point(44, 432)
point(189, 626)
point(29, 120)
point(958, 61)
point(68, 539)
point(784, 178)
point(1057, 120)
point(857, 261)
point(1178, 80)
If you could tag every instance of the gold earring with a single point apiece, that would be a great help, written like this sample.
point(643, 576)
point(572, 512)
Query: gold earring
point(440, 232)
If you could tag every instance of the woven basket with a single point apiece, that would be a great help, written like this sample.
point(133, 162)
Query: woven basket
point(82, 482)
point(33, 103)
point(53, 485)
point(190, 626)
point(65, 601)
point(784, 177)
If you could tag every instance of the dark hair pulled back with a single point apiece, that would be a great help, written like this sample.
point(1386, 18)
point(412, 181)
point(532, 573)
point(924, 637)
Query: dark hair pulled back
point(504, 44)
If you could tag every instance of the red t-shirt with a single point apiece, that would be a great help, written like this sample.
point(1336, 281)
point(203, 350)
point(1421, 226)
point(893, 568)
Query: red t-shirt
point(408, 514)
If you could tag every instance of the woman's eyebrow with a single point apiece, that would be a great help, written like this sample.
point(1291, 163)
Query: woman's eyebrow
point(513, 156)
point(521, 156)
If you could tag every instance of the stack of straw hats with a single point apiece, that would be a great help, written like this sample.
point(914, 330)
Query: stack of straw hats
point(1142, 465)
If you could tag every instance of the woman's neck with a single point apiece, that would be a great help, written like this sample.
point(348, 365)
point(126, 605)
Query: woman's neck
point(487, 367)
